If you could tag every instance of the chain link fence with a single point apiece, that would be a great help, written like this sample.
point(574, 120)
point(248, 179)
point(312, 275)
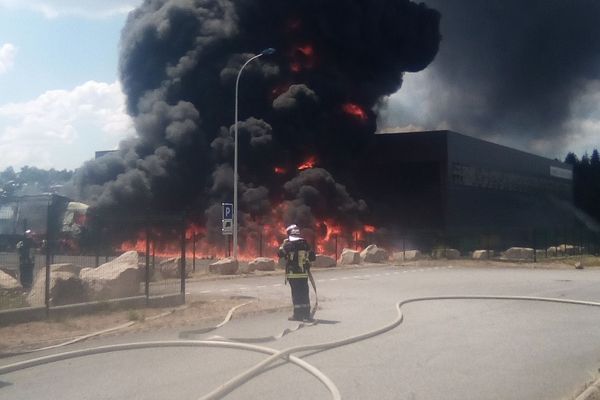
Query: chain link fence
point(121, 256)
point(112, 258)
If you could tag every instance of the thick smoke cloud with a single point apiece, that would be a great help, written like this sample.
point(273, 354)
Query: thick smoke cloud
point(507, 68)
point(314, 98)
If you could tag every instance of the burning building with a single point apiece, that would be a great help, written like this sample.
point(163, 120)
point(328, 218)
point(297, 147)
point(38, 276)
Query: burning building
point(307, 113)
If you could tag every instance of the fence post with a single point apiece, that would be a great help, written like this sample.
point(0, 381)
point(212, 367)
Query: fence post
point(194, 237)
point(336, 247)
point(260, 243)
point(48, 257)
point(147, 280)
point(153, 255)
point(182, 259)
point(534, 246)
point(404, 248)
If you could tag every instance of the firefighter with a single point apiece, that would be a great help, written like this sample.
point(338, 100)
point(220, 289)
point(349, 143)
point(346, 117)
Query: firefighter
point(26, 260)
point(298, 256)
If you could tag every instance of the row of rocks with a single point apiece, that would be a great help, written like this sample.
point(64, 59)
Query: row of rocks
point(71, 284)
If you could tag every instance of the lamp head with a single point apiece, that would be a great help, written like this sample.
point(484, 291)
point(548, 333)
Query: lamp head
point(269, 51)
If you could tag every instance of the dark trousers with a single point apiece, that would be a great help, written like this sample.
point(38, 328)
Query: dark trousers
point(300, 297)
point(26, 275)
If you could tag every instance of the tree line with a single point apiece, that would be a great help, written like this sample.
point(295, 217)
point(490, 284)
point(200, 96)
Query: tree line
point(586, 182)
point(32, 180)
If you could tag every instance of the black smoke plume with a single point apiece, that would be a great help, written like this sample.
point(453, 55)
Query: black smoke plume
point(314, 98)
point(509, 68)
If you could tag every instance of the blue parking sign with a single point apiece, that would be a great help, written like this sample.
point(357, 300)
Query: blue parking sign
point(227, 211)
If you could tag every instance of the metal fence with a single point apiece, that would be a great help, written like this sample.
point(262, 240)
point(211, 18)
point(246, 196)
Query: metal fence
point(123, 256)
point(114, 258)
point(523, 244)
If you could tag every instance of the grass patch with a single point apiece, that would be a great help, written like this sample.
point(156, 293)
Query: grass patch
point(133, 315)
point(10, 299)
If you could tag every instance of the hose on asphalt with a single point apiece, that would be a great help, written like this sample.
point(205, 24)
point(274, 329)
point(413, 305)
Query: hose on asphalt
point(239, 380)
point(285, 354)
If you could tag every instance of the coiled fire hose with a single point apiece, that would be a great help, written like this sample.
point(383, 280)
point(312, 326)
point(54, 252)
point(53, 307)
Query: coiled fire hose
point(285, 354)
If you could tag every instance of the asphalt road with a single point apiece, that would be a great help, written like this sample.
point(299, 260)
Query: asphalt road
point(453, 349)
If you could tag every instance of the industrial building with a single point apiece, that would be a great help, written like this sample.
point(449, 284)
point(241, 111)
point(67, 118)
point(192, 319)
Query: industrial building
point(449, 182)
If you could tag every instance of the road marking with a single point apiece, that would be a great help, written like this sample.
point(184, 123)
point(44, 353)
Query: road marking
point(205, 291)
point(261, 286)
point(333, 279)
point(225, 290)
point(277, 284)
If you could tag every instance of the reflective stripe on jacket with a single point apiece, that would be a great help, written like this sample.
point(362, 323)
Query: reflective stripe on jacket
point(298, 256)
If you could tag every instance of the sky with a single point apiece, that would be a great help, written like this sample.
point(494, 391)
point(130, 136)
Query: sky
point(61, 100)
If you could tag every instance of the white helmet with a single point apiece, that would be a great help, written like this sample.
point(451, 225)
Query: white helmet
point(293, 232)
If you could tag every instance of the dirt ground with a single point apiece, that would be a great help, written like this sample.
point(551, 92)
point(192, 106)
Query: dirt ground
point(205, 311)
point(198, 312)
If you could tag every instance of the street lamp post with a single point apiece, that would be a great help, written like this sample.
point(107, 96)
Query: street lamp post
point(268, 51)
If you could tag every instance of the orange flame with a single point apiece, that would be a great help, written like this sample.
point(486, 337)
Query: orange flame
point(302, 57)
point(306, 50)
point(369, 228)
point(355, 110)
point(257, 238)
point(309, 163)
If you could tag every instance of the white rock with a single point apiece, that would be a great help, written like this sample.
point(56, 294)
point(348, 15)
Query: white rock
point(482, 254)
point(449, 254)
point(374, 254)
point(226, 266)
point(262, 264)
point(349, 257)
point(171, 268)
point(120, 277)
point(246, 268)
point(323, 261)
point(7, 282)
point(66, 267)
point(65, 288)
point(518, 253)
point(408, 255)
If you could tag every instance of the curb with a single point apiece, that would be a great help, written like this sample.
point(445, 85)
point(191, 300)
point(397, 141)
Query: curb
point(591, 393)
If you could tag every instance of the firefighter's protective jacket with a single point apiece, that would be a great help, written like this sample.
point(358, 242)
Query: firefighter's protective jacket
point(298, 256)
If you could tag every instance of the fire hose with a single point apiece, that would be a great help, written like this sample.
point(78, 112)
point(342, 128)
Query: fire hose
point(285, 354)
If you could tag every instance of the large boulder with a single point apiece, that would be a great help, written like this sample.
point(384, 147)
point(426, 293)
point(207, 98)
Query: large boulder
point(66, 267)
point(120, 277)
point(171, 268)
point(65, 288)
point(7, 282)
point(226, 266)
point(246, 268)
point(373, 254)
point(482, 254)
point(262, 264)
point(349, 257)
point(518, 253)
point(449, 254)
point(408, 255)
point(323, 261)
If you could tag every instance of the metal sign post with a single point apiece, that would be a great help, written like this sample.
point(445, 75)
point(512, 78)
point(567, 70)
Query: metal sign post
point(227, 218)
